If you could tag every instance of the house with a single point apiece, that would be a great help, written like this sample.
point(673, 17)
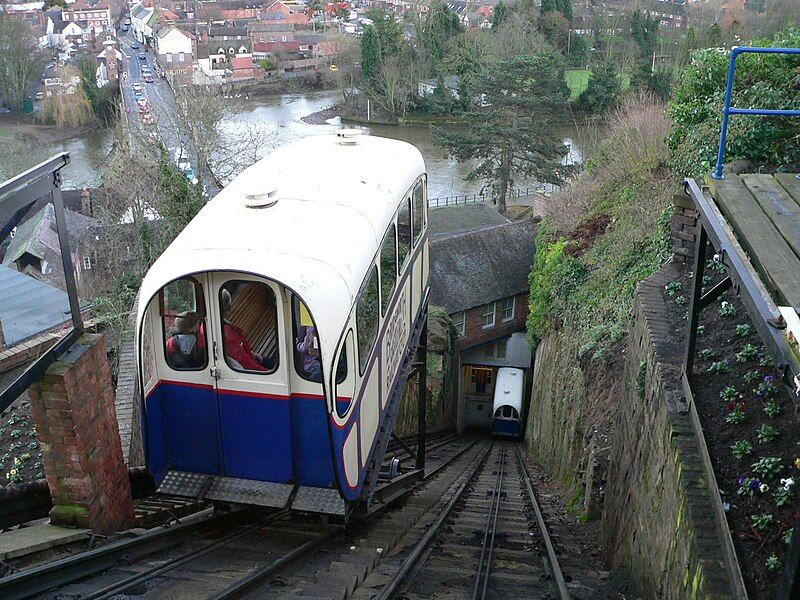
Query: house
point(241, 68)
point(428, 87)
point(109, 65)
point(480, 278)
point(143, 20)
point(230, 10)
point(316, 46)
point(31, 13)
point(35, 251)
point(175, 49)
point(96, 16)
point(281, 11)
point(272, 32)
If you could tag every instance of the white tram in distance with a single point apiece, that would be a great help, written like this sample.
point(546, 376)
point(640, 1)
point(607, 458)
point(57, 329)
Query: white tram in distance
point(275, 334)
point(507, 405)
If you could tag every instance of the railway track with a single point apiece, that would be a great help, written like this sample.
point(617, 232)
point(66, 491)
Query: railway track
point(214, 556)
point(488, 540)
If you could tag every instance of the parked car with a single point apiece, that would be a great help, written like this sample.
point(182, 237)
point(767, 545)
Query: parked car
point(134, 46)
point(142, 56)
point(124, 28)
point(139, 96)
point(148, 78)
point(39, 95)
point(144, 109)
point(137, 87)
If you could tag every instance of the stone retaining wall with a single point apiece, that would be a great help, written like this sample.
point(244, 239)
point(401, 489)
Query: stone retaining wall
point(658, 519)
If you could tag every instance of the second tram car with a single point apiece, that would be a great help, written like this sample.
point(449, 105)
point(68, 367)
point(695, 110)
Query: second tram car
point(275, 334)
point(507, 405)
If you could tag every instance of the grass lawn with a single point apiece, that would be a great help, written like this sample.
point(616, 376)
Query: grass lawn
point(578, 79)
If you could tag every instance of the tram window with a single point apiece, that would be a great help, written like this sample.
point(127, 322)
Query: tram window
point(388, 268)
point(367, 320)
point(345, 387)
point(419, 210)
point(182, 314)
point(250, 326)
point(306, 344)
point(404, 232)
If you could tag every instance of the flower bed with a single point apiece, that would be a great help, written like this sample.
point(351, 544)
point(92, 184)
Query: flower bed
point(750, 429)
point(20, 452)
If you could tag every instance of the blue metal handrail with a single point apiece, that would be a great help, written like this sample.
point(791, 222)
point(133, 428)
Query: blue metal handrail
point(729, 110)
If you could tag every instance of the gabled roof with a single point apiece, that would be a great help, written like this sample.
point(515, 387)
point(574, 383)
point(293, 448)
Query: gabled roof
point(452, 220)
point(242, 62)
point(478, 267)
point(38, 235)
point(227, 31)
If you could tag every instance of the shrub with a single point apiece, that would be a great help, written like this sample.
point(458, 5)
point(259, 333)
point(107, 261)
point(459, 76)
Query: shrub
point(602, 90)
point(761, 81)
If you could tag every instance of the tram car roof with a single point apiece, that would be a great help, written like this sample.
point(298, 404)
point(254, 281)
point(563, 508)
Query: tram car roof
point(508, 388)
point(311, 215)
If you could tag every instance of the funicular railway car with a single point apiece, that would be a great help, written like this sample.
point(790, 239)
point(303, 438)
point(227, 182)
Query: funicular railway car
point(276, 332)
point(507, 405)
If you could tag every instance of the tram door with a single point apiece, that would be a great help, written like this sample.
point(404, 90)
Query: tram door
point(249, 370)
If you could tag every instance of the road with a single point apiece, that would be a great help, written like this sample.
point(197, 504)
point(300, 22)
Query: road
point(171, 130)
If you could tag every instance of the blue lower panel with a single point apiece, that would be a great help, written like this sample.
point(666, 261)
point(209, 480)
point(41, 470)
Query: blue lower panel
point(257, 441)
point(188, 432)
point(311, 445)
point(507, 427)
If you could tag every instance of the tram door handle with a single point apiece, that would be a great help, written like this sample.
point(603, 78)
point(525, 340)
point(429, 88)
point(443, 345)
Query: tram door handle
point(216, 373)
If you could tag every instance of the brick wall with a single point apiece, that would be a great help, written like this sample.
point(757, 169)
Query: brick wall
point(475, 334)
point(73, 408)
point(658, 518)
point(683, 227)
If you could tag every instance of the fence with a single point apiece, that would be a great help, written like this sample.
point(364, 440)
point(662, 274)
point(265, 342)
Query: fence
point(483, 197)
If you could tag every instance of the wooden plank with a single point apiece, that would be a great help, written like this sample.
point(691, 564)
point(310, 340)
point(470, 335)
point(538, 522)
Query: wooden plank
point(766, 248)
point(778, 205)
point(790, 183)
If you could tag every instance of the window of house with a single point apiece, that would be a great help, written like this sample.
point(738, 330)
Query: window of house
point(404, 232)
point(419, 211)
point(284, 38)
point(249, 316)
point(87, 263)
point(488, 350)
point(242, 50)
point(460, 321)
point(388, 268)
point(507, 309)
point(183, 325)
point(169, 57)
point(272, 40)
point(487, 317)
point(502, 346)
point(367, 319)
point(182, 57)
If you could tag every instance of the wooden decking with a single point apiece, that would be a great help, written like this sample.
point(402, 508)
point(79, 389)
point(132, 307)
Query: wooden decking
point(764, 212)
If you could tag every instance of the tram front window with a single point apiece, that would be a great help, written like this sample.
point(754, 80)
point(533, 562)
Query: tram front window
point(249, 331)
point(184, 338)
point(306, 344)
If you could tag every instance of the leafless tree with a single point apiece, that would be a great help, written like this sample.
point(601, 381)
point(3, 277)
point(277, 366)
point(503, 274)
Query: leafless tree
point(345, 74)
point(517, 36)
point(224, 146)
point(20, 63)
point(393, 86)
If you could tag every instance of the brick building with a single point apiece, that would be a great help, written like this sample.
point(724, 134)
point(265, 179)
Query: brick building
point(480, 277)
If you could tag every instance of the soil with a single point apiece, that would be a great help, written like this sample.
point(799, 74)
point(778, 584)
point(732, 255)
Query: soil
point(721, 342)
point(321, 116)
point(20, 453)
point(585, 234)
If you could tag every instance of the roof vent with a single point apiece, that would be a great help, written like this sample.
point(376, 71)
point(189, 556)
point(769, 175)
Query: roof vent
point(348, 136)
point(263, 196)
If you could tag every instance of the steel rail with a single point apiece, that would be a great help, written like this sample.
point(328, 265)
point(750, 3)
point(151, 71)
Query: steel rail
point(487, 547)
point(250, 582)
point(552, 558)
point(411, 560)
point(42, 578)
point(129, 582)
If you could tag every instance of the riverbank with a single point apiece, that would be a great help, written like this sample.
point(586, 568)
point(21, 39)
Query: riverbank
point(26, 126)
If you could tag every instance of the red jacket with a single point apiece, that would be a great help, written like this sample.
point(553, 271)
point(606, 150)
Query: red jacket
point(239, 349)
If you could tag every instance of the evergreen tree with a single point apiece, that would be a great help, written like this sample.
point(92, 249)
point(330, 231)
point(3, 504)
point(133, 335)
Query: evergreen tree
point(549, 5)
point(565, 7)
point(602, 90)
point(390, 35)
point(440, 25)
point(689, 44)
point(370, 53)
point(514, 134)
point(500, 14)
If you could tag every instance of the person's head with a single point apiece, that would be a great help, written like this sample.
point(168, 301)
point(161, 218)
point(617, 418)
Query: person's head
point(224, 303)
point(187, 322)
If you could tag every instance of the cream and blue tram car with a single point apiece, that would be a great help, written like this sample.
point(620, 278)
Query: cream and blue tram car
point(273, 330)
point(507, 404)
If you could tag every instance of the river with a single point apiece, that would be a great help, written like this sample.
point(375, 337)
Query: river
point(279, 119)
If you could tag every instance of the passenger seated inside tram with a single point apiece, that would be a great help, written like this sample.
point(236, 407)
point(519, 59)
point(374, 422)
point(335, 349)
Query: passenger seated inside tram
point(186, 348)
point(238, 350)
point(308, 349)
